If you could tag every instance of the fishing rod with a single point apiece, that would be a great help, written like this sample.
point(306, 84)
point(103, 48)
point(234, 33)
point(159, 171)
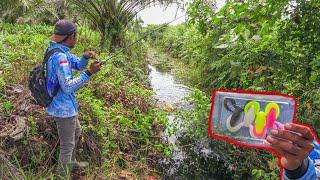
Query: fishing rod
point(138, 40)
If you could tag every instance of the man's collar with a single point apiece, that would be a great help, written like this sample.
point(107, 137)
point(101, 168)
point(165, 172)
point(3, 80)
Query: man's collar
point(61, 46)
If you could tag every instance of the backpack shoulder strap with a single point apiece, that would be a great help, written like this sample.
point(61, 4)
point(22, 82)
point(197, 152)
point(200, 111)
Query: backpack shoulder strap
point(48, 54)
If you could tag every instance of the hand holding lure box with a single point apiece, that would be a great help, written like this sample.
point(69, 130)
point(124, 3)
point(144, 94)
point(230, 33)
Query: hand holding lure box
point(247, 117)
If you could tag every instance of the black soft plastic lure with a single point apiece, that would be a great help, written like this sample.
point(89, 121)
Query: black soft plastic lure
point(230, 105)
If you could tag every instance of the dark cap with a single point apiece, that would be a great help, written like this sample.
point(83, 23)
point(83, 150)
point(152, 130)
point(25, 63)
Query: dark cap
point(65, 27)
point(62, 29)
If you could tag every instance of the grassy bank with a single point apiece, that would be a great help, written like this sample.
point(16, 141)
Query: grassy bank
point(120, 122)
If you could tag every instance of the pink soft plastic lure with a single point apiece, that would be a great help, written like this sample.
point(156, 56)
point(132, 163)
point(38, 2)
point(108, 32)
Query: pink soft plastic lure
point(271, 118)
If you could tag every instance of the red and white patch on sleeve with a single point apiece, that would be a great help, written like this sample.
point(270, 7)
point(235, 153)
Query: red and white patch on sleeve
point(63, 62)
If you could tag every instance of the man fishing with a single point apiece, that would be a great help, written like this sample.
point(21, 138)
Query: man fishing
point(62, 86)
point(300, 152)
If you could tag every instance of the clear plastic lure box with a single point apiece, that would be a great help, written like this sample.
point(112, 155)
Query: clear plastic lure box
point(247, 117)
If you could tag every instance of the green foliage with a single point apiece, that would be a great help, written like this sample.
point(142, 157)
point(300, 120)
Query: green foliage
point(103, 114)
point(110, 111)
point(34, 128)
point(7, 106)
point(32, 11)
point(261, 174)
point(195, 121)
point(2, 89)
point(2, 83)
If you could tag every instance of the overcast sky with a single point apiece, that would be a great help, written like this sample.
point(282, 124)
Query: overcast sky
point(160, 15)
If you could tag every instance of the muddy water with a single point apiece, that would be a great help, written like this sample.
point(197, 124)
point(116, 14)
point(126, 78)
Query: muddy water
point(170, 92)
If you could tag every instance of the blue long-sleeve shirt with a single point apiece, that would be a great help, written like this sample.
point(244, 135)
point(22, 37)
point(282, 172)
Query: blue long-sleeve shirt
point(313, 171)
point(60, 66)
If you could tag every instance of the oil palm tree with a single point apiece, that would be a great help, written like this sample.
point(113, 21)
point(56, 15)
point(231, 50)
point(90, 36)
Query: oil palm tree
point(112, 17)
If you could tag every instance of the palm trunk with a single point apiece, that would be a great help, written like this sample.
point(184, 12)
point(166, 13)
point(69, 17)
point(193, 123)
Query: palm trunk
point(115, 42)
point(103, 41)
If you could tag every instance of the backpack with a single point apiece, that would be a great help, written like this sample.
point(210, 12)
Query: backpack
point(38, 81)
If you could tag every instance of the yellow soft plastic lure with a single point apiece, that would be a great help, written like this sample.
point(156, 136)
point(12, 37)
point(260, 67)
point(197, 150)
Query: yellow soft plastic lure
point(260, 123)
